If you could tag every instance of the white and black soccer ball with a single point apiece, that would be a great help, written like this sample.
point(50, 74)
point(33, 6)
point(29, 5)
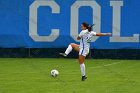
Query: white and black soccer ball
point(54, 73)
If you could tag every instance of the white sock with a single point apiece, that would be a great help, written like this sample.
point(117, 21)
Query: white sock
point(68, 50)
point(82, 66)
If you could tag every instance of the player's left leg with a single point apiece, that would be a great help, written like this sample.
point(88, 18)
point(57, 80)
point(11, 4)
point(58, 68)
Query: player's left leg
point(82, 67)
point(71, 47)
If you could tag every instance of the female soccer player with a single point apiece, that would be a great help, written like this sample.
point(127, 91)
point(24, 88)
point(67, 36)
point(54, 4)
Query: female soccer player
point(85, 37)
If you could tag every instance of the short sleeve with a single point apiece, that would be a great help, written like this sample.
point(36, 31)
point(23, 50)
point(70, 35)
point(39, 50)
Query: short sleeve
point(81, 34)
point(93, 33)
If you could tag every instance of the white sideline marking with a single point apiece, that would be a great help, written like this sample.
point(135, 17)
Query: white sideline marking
point(98, 67)
point(106, 65)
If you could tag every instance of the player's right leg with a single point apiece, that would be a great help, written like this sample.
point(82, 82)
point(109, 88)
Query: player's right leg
point(71, 47)
point(82, 54)
point(82, 67)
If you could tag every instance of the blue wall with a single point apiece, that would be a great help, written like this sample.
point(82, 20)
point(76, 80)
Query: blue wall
point(15, 20)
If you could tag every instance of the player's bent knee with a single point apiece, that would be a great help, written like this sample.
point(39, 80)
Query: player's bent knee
point(72, 44)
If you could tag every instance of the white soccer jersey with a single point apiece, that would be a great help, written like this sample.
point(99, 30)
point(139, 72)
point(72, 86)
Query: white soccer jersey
point(86, 37)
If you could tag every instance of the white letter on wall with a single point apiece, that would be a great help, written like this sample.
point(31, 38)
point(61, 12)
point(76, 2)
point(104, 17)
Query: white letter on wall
point(75, 16)
point(33, 21)
point(116, 25)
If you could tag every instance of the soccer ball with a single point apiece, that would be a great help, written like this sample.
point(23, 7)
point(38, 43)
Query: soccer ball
point(54, 73)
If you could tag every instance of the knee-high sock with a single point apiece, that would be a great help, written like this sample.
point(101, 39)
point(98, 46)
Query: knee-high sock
point(82, 67)
point(68, 50)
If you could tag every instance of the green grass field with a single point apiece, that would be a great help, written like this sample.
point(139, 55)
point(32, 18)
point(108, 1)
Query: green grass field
point(32, 75)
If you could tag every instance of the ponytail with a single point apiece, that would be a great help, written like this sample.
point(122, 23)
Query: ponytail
point(90, 27)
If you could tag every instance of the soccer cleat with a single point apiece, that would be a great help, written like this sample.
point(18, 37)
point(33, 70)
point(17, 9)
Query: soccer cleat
point(63, 54)
point(84, 78)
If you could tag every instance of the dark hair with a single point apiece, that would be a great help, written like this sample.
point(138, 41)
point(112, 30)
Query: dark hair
point(87, 26)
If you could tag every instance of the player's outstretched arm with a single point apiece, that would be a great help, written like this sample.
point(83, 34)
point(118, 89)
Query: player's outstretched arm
point(103, 34)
